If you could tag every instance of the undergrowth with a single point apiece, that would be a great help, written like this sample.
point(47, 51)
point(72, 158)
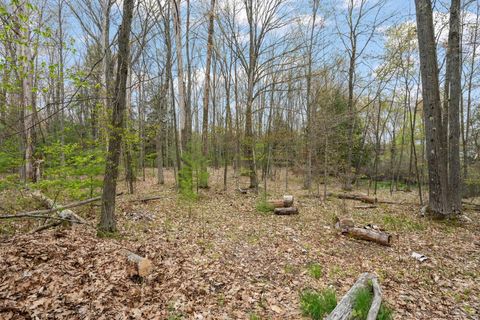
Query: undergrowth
point(402, 223)
point(315, 270)
point(263, 206)
point(363, 301)
point(317, 304)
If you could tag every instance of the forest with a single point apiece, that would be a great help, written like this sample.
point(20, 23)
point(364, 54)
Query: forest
point(239, 159)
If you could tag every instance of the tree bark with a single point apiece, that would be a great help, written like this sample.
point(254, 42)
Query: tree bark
point(434, 133)
point(309, 129)
point(107, 218)
point(206, 86)
point(380, 237)
point(182, 117)
point(466, 131)
point(453, 55)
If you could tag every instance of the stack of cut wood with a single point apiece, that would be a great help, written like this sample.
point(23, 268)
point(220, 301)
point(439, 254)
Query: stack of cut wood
point(369, 232)
point(284, 206)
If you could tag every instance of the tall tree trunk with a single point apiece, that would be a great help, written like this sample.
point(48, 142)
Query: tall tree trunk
point(182, 117)
point(26, 80)
point(141, 125)
point(466, 131)
point(107, 218)
point(162, 106)
point(347, 184)
point(454, 174)
point(206, 86)
point(61, 83)
point(106, 8)
point(308, 134)
point(127, 149)
point(434, 138)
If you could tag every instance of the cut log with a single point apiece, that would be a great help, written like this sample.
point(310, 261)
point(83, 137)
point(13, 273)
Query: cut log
point(286, 202)
point(380, 237)
point(286, 211)
point(344, 309)
point(276, 203)
point(137, 265)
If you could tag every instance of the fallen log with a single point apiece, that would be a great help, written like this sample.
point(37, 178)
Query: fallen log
point(365, 207)
point(364, 198)
point(60, 208)
point(344, 309)
point(242, 191)
point(35, 216)
point(146, 199)
point(285, 211)
point(287, 201)
point(380, 237)
point(377, 300)
point(45, 227)
point(64, 214)
point(357, 197)
point(137, 265)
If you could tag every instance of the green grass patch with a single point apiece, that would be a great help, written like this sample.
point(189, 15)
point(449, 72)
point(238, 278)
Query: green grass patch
point(317, 304)
point(363, 301)
point(402, 223)
point(254, 316)
point(315, 270)
point(108, 235)
point(263, 206)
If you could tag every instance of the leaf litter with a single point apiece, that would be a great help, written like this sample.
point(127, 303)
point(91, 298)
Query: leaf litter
point(220, 259)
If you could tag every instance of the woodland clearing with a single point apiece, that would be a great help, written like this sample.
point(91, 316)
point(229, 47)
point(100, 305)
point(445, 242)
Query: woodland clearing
point(218, 258)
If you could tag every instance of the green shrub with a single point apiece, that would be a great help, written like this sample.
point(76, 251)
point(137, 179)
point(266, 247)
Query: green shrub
point(193, 172)
point(317, 304)
point(80, 176)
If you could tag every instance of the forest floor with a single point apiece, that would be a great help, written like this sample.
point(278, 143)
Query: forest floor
point(219, 258)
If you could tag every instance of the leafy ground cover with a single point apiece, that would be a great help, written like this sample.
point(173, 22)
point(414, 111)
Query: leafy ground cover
point(219, 258)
